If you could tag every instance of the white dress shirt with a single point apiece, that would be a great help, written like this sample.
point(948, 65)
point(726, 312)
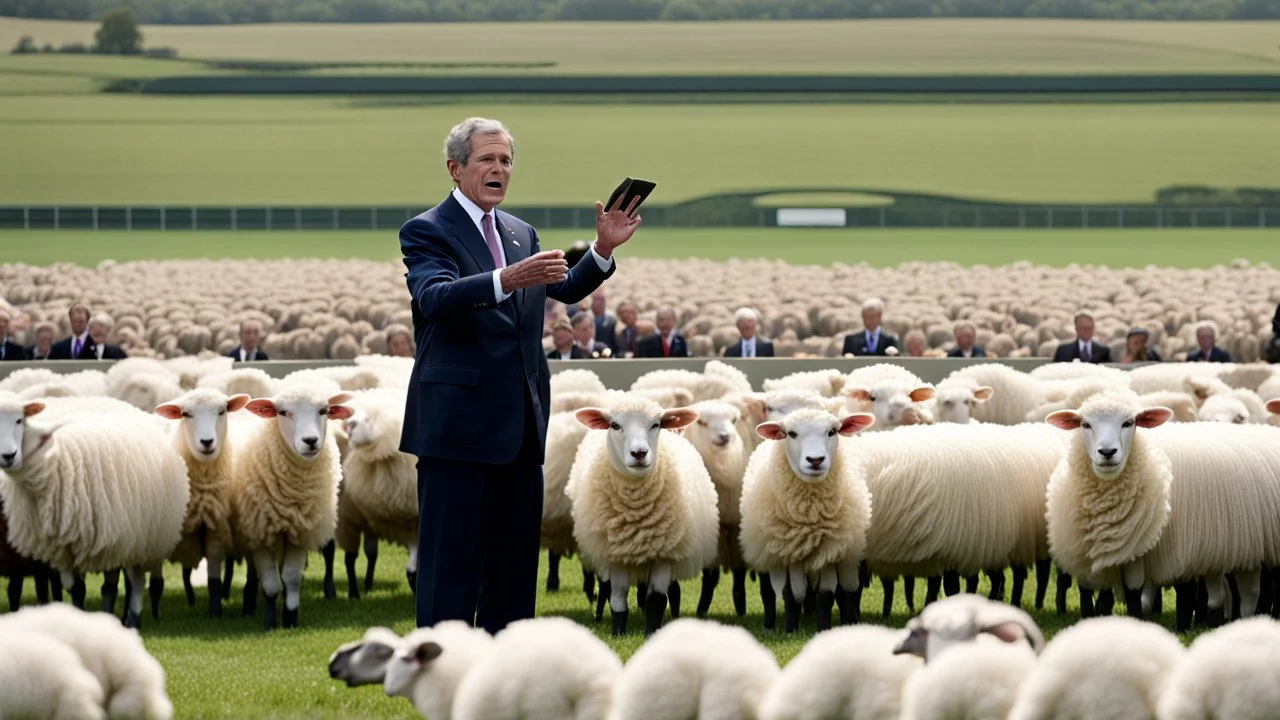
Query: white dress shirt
point(1085, 348)
point(749, 347)
point(245, 355)
point(477, 215)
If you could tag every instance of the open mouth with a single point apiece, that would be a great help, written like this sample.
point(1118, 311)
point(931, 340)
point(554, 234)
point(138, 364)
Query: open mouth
point(493, 184)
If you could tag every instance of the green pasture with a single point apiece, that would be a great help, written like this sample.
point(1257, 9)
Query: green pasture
point(228, 668)
point(942, 46)
point(1115, 248)
point(112, 149)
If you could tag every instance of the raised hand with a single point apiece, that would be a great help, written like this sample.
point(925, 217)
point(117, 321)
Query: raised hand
point(615, 227)
point(545, 268)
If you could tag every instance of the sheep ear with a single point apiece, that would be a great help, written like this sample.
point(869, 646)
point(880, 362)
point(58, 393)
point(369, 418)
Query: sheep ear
point(339, 412)
point(858, 393)
point(340, 398)
point(1273, 406)
point(237, 402)
point(169, 411)
point(983, 393)
point(262, 407)
point(771, 431)
point(1010, 631)
point(755, 408)
point(1153, 417)
point(1199, 388)
point(35, 408)
point(1064, 419)
point(921, 394)
point(427, 651)
point(677, 418)
point(856, 423)
point(593, 418)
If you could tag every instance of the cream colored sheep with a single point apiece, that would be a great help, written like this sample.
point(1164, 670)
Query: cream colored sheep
point(715, 436)
point(827, 383)
point(44, 678)
point(1232, 672)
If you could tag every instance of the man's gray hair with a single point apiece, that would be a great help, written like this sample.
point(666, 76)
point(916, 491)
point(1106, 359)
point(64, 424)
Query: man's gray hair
point(102, 319)
point(251, 324)
point(582, 317)
point(745, 313)
point(873, 304)
point(965, 326)
point(457, 146)
point(1082, 316)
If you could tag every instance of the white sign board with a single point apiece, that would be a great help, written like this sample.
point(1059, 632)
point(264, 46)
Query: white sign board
point(822, 217)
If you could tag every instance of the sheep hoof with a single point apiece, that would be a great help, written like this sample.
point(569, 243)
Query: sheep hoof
point(619, 623)
point(655, 606)
point(553, 583)
point(809, 605)
point(269, 613)
point(77, 592)
point(157, 592)
point(133, 620)
point(589, 585)
point(290, 618)
point(330, 590)
point(826, 599)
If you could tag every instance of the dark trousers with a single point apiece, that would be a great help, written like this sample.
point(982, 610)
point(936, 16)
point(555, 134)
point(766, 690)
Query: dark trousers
point(479, 531)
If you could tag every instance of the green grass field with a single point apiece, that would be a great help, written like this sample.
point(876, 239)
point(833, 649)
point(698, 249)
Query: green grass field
point(868, 46)
point(1115, 248)
point(150, 150)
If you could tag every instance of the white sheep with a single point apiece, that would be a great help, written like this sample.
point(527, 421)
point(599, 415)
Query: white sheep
point(805, 511)
point(43, 678)
point(738, 380)
point(827, 383)
point(251, 381)
point(1238, 406)
point(695, 669)
point(715, 437)
point(1108, 668)
point(1232, 672)
point(574, 389)
point(564, 435)
point(847, 672)
point(1128, 509)
point(200, 438)
point(132, 682)
point(702, 385)
point(893, 394)
point(429, 664)
point(285, 497)
point(1184, 406)
point(117, 486)
point(956, 398)
point(644, 506)
point(1013, 395)
point(77, 384)
point(144, 390)
point(25, 377)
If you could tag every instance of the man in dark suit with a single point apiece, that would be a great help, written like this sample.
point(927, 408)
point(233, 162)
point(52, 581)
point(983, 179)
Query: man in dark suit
point(44, 342)
point(628, 334)
point(563, 346)
point(9, 350)
point(1083, 348)
point(584, 336)
point(666, 342)
point(1206, 336)
point(966, 334)
point(747, 321)
point(873, 340)
point(606, 323)
point(99, 326)
point(248, 350)
point(74, 347)
point(477, 413)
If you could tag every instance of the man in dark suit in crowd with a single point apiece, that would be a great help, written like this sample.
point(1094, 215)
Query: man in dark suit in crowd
point(1083, 348)
point(873, 340)
point(44, 342)
point(477, 413)
point(750, 345)
point(606, 323)
point(1206, 336)
point(666, 342)
point(74, 347)
point(9, 350)
point(966, 334)
point(564, 348)
point(99, 326)
point(250, 337)
point(628, 333)
point(584, 334)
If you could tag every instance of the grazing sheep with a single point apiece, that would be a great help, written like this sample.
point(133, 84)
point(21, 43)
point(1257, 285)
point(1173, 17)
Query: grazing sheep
point(695, 669)
point(644, 506)
point(1109, 668)
point(848, 672)
point(200, 438)
point(364, 661)
point(44, 679)
point(430, 664)
point(285, 497)
point(805, 511)
point(715, 437)
point(1232, 672)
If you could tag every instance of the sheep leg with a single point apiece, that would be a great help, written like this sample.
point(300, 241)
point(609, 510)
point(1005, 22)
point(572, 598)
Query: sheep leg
point(971, 584)
point(269, 575)
point(327, 551)
point(214, 554)
point(933, 588)
point(1264, 592)
point(137, 579)
point(769, 598)
point(826, 597)
point(1042, 581)
point(349, 561)
point(790, 606)
point(295, 561)
point(411, 569)
point(553, 571)
point(997, 585)
point(642, 592)
point(589, 585)
point(1184, 605)
point(1134, 579)
point(887, 583)
point(1106, 603)
point(157, 591)
point(848, 590)
point(75, 587)
point(15, 592)
point(710, 579)
point(660, 587)
point(55, 584)
point(1086, 602)
point(619, 589)
point(1019, 582)
point(809, 604)
point(110, 590)
point(187, 587)
point(41, 581)
point(605, 595)
point(909, 592)
point(1215, 600)
point(740, 591)
point(370, 560)
point(951, 582)
point(229, 573)
point(250, 587)
point(1202, 604)
point(1064, 584)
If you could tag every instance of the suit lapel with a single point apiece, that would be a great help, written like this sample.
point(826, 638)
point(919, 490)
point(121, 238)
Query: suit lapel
point(461, 227)
point(514, 250)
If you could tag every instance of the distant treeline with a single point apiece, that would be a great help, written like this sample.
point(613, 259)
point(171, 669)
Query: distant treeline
point(215, 12)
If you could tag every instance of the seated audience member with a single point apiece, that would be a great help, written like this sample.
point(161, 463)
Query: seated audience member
point(9, 350)
point(751, 345)
point(626, 330)
point(550, 311)
point(966, 334)
point(73, 347)
point(399, 341)
point(44, 342)
point(1206, 335)
point(1136, 350)
point(916, 343)
point(248, 350)
point(873, 340)
point(606, 322)
point(584, 334)
point(99, 326)
point(667, 342)
point(564, 348)
point(1083, 348)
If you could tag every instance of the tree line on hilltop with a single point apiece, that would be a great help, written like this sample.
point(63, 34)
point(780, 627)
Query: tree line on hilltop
point(214, 12)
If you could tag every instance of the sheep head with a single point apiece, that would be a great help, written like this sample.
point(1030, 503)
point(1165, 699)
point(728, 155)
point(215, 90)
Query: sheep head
point(634, 426)
point(13, 423)
point(812, 438)
point(203, 414)
point(1108, 423)
point(956, 404)
point(892, 401)
point(964, 618)
point(1223, 409)
point(364, 662)
point(716, 427)
point(302, 417)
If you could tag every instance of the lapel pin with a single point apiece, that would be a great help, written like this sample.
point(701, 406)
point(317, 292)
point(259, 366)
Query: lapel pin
point(517, 243)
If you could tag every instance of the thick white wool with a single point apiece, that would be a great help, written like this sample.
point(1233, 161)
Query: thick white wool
point(703, 386)
point(1183, 405)
point(827, 383)
point(726, 464)
point(26, 377)
point(1232, 672)
point(576, 380)
point(209, 504)
point(1014, 393)
point(564, 435)
point(978, 680)
point(253, 382)
point(738, 380)
point(378, 479)
point(433, 687)
point(43, 678)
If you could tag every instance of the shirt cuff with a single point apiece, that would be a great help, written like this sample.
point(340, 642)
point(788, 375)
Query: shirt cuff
point(603, 264)
point(498, 295)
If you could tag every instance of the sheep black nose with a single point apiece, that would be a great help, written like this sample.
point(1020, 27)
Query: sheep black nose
point(815, 461)
point(311, 441)
point(639, 454)
point(723, 438)
point(206, 442)
point(8, 457)
point(1108, 453)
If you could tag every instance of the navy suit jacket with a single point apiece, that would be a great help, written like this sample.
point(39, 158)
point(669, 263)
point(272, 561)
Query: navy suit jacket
point(575, 353)
point(61, 350)
point(13, 351)
point(478, 362)
point(977, 352)
point(651, 346)
point(606, 331)
point(856, 343)
point(257, 354)
point(109, 352)
point(764, 348)
point(1070, 350)
point(1216, 354)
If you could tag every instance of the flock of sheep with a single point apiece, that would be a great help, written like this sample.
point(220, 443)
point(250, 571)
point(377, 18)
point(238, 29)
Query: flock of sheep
point(315, 309)
point(1164, 476)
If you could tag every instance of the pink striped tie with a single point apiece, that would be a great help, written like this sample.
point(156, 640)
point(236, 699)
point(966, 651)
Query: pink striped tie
point(491, 239)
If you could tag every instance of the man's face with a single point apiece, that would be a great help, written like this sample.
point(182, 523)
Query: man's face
point(485, 177)
point(398, 345)
point(627, 315)
point(915, 346)
point(98, 332)
point(871, 319)
point(79, 320)
point(44, 339)
point(1205, 337)
point(1084, 329)
point(249, 337)
point(563, 339)
point(964, 338)
point(597, 303)
point(748, 328)
point(666, 322)
point(584, 333)
point(4, 326)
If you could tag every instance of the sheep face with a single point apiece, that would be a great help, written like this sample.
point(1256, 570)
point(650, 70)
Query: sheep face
point(1223, 409)
point(406, 663)
point(962, 619)
point(364, 662)
point(1108, 430)
point(361, 430)
point(13, 421)
point(892, 402)
point(633, 435)
point(778, 405)
point(716, 426)
point(302, 420)
point(204, 420)
point(812, 438)
point(955, 405)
